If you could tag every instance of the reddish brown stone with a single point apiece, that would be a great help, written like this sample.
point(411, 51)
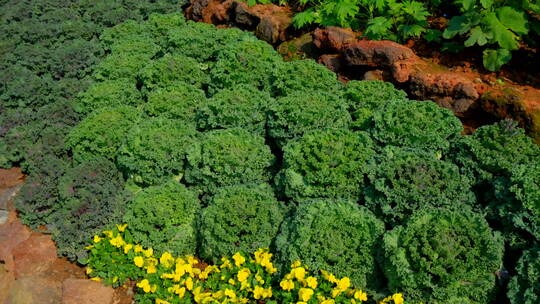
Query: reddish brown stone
point(34, 255)
point(35, 290)
point(7, 279)
point(81, 291)
point(10, 177)
point(332, 39)
point(12, 234)
point(333, 62)
point(399, 59)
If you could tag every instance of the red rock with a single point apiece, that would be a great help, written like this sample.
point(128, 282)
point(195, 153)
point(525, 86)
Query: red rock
point(34, 255)
point(7, 279)
point(332, 39)
point(10, 177)
point(35, 290)
point(81, 291)
point(12, 234)
point(399, 59)
point(333, 62)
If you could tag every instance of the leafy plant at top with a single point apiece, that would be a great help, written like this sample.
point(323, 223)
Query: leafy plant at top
point(415, 124)
point(108, 93)
point(163, 217)
point(524, 288)
point(299, 112)
point(328, 163)
point(496, 24)
point(155, 150)
point(402, 181)
point(368, 96)
point(228, 157)
point(239, 218)
point(337, 236)
point(443, 256)
point(242, 106)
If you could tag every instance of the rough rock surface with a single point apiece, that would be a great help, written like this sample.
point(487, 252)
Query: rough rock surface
point(269, 22)
point(35, 290)
point(34, 255)
point(332, 38)
point(80, 291)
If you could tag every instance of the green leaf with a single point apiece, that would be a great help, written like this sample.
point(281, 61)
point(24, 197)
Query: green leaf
point(304, 18)
point(486, 3)
point(378, 28)
point(504, 37)
point(457, 25)
point(432, 35)
point(345, 10)
point(494, 59)
point(514, 20)
point(468, 4)
point(476, 36)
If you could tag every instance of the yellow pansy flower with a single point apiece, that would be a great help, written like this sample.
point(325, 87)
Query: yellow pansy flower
point(96, 279)
point(97, 239)
point(230, 293)
point(311, 282)
point(328, 301)
point(160, 301)
point(238, 259)
point(108, 233)
point(89, 270)
point(398, 298)
point(127, 248)
point(287, 285)
point(360, 295)
point(343, 284)
point(151, 269)
point(296, 264)
point(121, 228)
point(146, 287)
point(89, 247)
point(243, 274)
point(166, 259)
point(328, 276)
point(189, 283)
point(305, 294)
point(299, 273)
point(139, 261)
point(117, 241)
point(262, 293)
point(226, 263)
point(148, 252)
point(138, 248)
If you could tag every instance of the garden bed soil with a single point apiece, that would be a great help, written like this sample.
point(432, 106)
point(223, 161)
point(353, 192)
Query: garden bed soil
point(30, 270)
point(455, 81)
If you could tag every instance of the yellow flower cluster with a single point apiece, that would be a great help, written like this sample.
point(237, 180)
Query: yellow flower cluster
point(166, 279)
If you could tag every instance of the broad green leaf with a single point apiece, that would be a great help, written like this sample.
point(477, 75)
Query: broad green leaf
point(504, 37)
point(304, 18)
point(476, 36)
point(457, 25)
point(514, 20)
point(486, 3)
point(413, 30)
point(494, 59)
point(378, 28)
point(345, 10)
point(468, 5)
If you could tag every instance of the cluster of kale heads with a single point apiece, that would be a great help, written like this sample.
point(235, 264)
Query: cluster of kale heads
point(204, 141)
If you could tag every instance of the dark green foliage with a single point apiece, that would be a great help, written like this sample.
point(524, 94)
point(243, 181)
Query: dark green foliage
point(228, 157)
point(402, 181)
point(524, 287)
point(108, 93)
point(300, 112)
point(102, 132)
point(38, 198)
point(163, 217)
point(443, 256)
point(245, 62)
point(155, 149)
point(242, 106)
point(143, 46)
point(126, 31)
point(366, 97)
point(415, 124)
point(91, 198)
point(171, 69)
point(494, 150)
point(119, 66)
point(177, 101)
point(516, 204)
point(329, 163)
point(241, 218)
point(303, 75)
point(337, 236)
point(201, 40)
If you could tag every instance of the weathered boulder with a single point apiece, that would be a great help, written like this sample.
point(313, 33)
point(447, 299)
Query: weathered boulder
point(80, 291)
point(35, 290)
point(34, 255)
point(12, 233)
point(332, 38)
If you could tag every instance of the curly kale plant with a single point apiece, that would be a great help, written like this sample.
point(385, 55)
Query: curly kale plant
point(155, 149)
point(402, 181)
point(242, 106)
point(329, 163)
point(303, 75)
point(163, 218)
point(228, 157)
point(299, 112)
point(240, 218)
point(177, 101)
point(171, 69)
point(102, 132)
point(245, 62)
point(415, 124)
point(443, 256)
point(337, 236)
point(92, 198)
point(524, 288)
point(368, 96)
point(121, 66)
point(108, 93)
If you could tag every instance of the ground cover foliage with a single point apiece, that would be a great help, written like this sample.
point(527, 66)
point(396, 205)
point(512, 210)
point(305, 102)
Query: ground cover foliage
point(198, 139)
